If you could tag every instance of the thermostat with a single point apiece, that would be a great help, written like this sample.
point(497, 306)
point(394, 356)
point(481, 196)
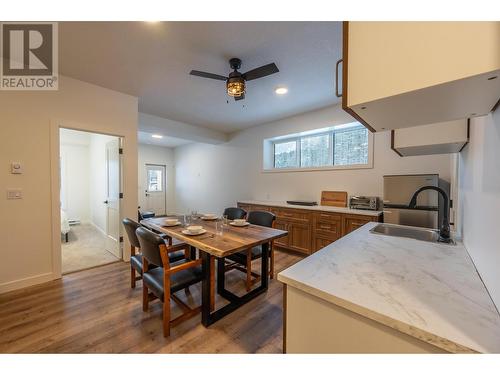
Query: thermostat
point(16, 167)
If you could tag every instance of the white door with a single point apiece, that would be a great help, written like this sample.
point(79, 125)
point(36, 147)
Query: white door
point(113, 197)
point(156, 187)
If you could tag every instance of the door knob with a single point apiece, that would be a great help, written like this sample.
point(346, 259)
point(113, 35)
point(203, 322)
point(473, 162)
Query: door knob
point(105, 202)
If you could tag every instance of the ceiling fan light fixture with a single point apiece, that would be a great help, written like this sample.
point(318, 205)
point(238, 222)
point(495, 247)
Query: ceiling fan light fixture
point(235, 86)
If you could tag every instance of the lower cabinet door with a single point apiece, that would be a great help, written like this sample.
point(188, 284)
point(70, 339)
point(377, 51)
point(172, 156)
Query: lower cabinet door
point(321, 242)
point(352, 223)
point(282, 225)
point(299, 237)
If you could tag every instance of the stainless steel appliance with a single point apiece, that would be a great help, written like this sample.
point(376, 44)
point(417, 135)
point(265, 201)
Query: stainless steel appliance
point(398, 191)
point(363, 203)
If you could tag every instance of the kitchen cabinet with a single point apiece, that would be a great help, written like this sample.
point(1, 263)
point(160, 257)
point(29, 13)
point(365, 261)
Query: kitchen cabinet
point(442, 138)
point(299, 237)
point(403, 74)
point(282, 225)
point(353, 222)
point(310, 230)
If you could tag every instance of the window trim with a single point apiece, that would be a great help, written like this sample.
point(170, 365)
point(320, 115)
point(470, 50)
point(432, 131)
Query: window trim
point(269, 153)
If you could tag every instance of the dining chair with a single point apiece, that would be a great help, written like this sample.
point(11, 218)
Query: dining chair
point(166, 279)
point(242, 260)
point(136, 256)
point(234, 213)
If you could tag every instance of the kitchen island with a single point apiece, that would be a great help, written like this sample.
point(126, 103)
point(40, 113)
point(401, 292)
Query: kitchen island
point(371, 293)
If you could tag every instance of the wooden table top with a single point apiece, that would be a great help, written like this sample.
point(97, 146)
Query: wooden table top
point(233, 239)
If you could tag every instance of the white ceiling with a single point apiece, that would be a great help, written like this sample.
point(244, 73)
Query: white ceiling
point(153, 61)
point(147, 139)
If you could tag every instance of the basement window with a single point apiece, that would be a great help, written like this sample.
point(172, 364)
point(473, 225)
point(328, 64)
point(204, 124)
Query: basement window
point(338, 147)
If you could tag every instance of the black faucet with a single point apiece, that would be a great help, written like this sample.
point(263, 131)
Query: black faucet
point(444, 231)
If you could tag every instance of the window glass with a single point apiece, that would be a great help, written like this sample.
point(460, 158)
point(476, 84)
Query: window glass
point(155, 182)
point(351, 146)
point(315, 151)
point(285, 154)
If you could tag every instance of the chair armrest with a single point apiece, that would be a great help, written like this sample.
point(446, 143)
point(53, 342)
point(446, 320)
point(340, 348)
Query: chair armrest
point(184, 266)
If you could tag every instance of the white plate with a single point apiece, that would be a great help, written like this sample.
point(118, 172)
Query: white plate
point(208, 218)
point(185, 231)
point(172, 225)
point(239, 225)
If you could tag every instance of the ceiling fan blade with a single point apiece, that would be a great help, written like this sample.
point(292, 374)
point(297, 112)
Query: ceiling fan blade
point(207, 75)
point(261, 72)
point(241, 97)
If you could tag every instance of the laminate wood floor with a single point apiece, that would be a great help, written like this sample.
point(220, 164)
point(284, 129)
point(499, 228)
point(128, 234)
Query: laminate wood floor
point(96, 311)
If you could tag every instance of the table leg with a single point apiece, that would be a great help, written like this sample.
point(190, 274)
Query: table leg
point(212, 283)
point(221, 274)
point(264, 273)
point(208, 314)
point(205, 288)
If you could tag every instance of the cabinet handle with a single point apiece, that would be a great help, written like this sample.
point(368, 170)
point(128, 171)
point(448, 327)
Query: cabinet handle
point(337, 79)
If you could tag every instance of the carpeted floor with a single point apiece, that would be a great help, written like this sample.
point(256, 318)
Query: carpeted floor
point(86, 248)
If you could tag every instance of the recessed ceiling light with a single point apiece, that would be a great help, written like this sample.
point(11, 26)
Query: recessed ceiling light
point(157, 136)
point(281, 90)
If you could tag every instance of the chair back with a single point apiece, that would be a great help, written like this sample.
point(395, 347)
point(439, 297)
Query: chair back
point(235, 213)
point(150, 246)
point(130, 227)
point(262, 218)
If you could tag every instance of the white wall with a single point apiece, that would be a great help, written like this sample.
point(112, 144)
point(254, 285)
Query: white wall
point(479, 191)
point(211, 177)
point(149, 154)
point(29, 134)
point(75, 174)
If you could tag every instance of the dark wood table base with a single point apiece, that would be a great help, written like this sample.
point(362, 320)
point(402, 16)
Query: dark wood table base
point(208, 316)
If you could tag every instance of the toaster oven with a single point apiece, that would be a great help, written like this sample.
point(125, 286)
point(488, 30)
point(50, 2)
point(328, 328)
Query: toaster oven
point(364, 203)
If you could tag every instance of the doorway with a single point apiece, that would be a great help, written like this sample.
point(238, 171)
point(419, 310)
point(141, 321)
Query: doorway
point(155, 194)
point(90, 185)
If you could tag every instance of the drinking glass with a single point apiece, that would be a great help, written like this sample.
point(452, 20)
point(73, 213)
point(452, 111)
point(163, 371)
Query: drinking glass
point(225, 219)
point(187, 220)
point(219, 227)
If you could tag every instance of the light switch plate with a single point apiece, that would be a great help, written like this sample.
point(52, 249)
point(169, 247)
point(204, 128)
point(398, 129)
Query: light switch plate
point(16, 167)
point(14, 194)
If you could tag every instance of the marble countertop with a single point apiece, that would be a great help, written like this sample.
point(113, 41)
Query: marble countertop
point(344, 210)
point(427, 290)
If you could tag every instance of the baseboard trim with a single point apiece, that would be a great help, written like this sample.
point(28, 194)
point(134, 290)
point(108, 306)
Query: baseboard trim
point(98, 228)
point(26, 282)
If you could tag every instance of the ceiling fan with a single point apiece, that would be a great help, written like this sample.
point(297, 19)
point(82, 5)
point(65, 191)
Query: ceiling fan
point(235, 82)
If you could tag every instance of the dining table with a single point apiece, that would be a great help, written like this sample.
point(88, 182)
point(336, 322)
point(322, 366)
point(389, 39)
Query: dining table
point(215, 245)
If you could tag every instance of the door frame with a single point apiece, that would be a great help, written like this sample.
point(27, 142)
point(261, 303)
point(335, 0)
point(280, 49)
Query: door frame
point(55, 143)
point(164, 180)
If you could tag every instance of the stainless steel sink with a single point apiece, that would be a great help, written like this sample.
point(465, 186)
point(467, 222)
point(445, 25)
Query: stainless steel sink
point(420, 234)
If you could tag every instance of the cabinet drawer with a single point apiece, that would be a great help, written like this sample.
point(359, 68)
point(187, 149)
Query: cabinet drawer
point(331, 229)
point(292, 214)
point(259, 208)
point(353, 222)
point(327, 217)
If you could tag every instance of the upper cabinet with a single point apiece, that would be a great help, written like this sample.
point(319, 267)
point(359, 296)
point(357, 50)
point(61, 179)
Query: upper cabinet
point(403, 74)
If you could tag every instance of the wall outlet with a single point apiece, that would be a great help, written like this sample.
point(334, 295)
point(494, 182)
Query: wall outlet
point(14, 194)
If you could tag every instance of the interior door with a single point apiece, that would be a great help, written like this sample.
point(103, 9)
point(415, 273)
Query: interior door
point(156, 189)
point(113, 197)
